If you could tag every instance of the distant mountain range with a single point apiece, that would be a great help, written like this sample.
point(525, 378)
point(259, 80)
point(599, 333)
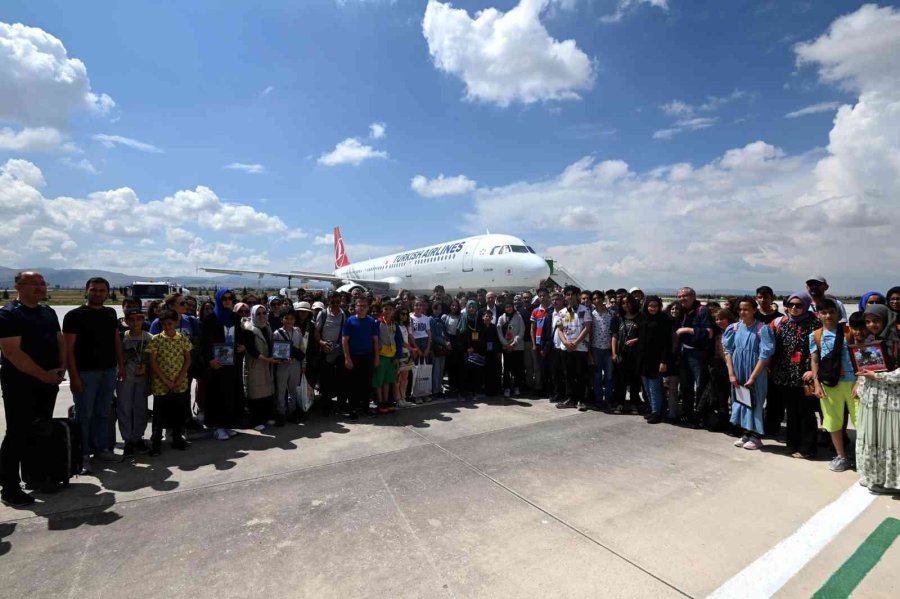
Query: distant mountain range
point(75, 278)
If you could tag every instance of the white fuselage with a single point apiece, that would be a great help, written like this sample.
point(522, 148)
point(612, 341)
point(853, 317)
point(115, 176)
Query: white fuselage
point(493, 262)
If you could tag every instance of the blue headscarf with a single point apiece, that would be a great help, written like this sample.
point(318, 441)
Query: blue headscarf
point(464, 324)
point(864, 300)
point(223, 314)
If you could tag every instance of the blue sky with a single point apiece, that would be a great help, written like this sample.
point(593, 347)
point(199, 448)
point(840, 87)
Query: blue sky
point(580, 146)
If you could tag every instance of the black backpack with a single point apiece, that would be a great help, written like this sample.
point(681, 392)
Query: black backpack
point(830, 365)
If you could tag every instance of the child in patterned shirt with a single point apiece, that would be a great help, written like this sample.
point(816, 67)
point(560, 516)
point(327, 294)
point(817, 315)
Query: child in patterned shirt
point(170, 359)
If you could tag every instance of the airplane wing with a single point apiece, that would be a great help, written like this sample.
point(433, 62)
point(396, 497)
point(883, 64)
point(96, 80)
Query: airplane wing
point(312, 276)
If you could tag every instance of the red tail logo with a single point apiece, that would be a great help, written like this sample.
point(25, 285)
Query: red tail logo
point(340, 255)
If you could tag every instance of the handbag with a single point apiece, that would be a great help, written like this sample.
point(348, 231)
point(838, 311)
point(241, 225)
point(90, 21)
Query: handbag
point(421, 380)
point(304, 399)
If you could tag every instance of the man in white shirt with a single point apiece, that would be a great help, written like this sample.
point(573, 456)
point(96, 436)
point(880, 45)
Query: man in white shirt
point(573, 330)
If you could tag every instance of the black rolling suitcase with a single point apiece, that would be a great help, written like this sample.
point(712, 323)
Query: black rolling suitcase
point(64, 455)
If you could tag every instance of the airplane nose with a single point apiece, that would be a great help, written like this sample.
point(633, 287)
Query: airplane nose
point(539, 268)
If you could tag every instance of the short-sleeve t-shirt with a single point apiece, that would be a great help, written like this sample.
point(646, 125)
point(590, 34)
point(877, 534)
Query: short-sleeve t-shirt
point(828, 337)
point(137, 353)
point(573, 321)
point(38, 328)
point(330, 325)
point(360, 332)
point(95, 331)
point(169, 352)
point(419, 326)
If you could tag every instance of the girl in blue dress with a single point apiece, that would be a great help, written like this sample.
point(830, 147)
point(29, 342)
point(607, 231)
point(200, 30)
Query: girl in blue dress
point(748, 345)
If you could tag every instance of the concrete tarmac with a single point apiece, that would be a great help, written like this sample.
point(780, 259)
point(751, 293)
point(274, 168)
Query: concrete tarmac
point(449, 499)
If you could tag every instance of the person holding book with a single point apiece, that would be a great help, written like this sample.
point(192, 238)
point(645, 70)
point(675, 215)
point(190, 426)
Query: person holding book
point(259, 384)
point(748, 345)
point(832, 373)
point(878, 435)
point(221, 350)
point(289, 372)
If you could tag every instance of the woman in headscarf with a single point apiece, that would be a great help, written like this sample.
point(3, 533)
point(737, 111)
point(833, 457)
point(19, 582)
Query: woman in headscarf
point(221, 342)
point(872, 297)
point(878, 436)
point(654, 353)
point(471, 329)
point(791, 373)
point(259, 383)
point(893, 304)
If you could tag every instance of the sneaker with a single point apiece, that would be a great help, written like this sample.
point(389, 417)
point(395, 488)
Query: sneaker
point(654, 419)
point(882, 490)
point(617, 410)
point(85, 466)
point(418, 401)
point(753, 443)
point(16, 497)
point(270, 422)
point(107, 456)
point(516, 392)
point(259, 427)
point(582, 407)
point(231, 432)
point(740, 442)
point(507, 393)
point(221, 435)
point(567, 404)
point(839, 464)
point(405, 404)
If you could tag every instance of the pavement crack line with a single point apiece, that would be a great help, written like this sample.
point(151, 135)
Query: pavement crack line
point(550, 514)
point(422, 546)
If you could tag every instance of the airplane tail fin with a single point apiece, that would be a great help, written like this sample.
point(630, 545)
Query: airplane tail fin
point(340, 254)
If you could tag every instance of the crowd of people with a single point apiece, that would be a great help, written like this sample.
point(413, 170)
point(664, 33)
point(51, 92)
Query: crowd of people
point(740, 366)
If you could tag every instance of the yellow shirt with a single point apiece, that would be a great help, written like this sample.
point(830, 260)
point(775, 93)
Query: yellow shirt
point(169, 354)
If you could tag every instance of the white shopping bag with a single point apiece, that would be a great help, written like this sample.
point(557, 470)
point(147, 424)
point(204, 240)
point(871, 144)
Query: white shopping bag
point(303, 395)
point(421, 380)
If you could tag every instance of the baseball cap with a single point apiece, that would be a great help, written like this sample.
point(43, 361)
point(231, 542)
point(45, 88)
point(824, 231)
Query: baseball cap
point(302, 307)
point(132, 312)
point(817, 279)
point(318, 306)
point(633, 289)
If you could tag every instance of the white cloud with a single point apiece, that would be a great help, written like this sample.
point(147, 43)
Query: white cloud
point(625, 6)
point(250, 169)
point(350, 151)
point(506, 57)
point(324, 239)
point(30, 139)
point(756, 215)
point(442, 186)
point(813, 109)
point(25, 172)
point(83, 165)
point(46, 239)
point(269, 89)
point(294, 234)
point(177, 235)
point(687, 117)
point(377, 130)
point(682, 125)
point(40, 85)
point(111, 141)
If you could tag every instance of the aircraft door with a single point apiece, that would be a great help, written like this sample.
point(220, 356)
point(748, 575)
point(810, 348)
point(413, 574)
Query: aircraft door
point(469, 255)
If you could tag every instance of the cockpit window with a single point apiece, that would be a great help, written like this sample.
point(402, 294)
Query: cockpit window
point(505, 249)
point(531, 250)
point(495, 250)
point(520, 249)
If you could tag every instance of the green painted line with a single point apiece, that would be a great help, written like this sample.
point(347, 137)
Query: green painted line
point(851, 573)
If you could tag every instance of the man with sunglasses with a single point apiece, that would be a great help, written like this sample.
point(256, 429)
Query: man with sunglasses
point(816, 286)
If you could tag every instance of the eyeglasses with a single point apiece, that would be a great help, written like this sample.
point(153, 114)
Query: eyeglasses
point(795, 305)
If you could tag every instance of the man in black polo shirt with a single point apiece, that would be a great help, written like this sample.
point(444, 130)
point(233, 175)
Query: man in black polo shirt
point(93, 355)
point(31, 369)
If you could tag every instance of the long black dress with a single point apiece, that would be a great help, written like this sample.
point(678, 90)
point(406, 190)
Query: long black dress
point(224, 390)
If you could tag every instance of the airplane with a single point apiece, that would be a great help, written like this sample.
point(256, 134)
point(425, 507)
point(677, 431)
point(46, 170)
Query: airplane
point(490, 261)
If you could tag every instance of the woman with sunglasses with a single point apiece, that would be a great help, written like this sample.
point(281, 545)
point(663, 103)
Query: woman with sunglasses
point(221, 351)
point(791, 372)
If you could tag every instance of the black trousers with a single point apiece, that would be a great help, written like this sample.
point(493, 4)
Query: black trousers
point(359, 381)
point(168, 412)
point(802, 426)
point(26, 402)
point(513, 369)
point(575, 364)
point(775, 411)
point(627, 379)
point(559, 374)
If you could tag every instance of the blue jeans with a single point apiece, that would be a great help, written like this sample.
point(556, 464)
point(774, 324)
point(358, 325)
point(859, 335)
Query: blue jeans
point(654, 388)
point(694, 378)
point(92, 408)
point(603, 375)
